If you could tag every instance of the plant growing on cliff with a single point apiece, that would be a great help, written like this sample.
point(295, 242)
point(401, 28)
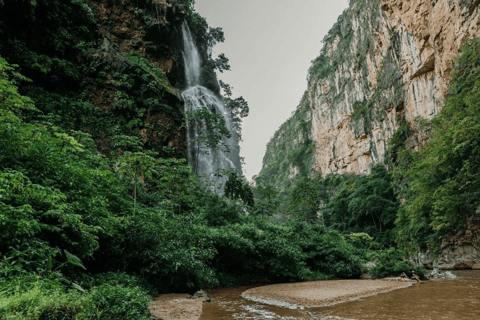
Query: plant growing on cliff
point(465, 2)
point(238, 107)
point(443, 177)
point(10, 99)
point(212, 134)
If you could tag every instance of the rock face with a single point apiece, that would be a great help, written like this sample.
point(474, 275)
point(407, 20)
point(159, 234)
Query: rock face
point(149, 30)
point(383, 64)
point(461, 251)
point(432, 33)
point(110, 68)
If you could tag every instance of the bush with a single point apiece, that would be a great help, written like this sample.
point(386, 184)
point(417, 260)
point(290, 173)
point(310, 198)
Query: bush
point(36, 303)
point(326, 250)
point(119, 302)
point(119, 278)
point(280, 252)
point(257, 248)
point(33, 297)
point(171, 252)
point(391, 262)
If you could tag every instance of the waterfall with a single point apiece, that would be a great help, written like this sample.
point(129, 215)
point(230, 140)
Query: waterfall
point(204, 159)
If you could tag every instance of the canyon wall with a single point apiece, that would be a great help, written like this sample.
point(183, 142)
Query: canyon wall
point(383, 64)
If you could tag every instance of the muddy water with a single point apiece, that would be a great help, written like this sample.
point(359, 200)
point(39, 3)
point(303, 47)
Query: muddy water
point(437, 299)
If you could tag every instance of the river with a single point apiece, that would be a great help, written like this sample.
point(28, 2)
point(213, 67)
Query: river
point(435, 299)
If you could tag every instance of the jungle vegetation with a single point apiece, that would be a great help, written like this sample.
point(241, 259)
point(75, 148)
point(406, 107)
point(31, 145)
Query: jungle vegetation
point(91, 230)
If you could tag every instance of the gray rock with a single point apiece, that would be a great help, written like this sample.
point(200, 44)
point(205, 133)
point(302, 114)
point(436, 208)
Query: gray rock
point(461, 251)
point(437, 274)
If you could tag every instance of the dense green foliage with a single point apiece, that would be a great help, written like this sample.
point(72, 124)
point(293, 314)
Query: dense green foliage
point(361, 204)
point(75, 220)
point(35, 297)
point(441, 181)
point(347, 203)
point(87, 77)
point(89, 235)
point(427, 195)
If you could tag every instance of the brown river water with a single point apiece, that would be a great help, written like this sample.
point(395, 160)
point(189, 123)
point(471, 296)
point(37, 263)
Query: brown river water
point(436, 299)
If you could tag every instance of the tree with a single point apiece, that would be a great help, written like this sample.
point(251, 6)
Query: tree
point(221, 63)
point(134, 167)
point(358, 203)
point(267, 201)
point(237, 188)
point(10, 99)
point(210, 133)
point(238, 107)
point(174, 179)
point(305, 201)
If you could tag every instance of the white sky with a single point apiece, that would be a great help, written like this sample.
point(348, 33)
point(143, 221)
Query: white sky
point(270, 44)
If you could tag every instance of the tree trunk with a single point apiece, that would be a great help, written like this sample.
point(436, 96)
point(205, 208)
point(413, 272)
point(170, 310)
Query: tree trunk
point(134, 198)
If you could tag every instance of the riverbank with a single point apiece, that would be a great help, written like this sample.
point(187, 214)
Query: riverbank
point(438, 299)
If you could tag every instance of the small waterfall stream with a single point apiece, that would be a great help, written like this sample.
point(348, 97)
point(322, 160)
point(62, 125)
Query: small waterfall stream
point(204, 159)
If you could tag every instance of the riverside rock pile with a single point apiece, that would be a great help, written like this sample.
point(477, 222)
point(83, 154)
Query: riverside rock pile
point(437, 274)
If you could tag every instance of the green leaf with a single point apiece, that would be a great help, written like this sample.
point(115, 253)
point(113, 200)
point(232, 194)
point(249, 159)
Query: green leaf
point(74, 260)
point(76, 286)
point(49, 264)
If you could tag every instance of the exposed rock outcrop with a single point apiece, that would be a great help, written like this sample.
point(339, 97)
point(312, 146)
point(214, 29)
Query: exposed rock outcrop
point(461, 251)
point(383, 63)
point(111, 68)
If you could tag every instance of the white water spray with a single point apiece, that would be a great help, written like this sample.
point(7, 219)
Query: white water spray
point(205, 160)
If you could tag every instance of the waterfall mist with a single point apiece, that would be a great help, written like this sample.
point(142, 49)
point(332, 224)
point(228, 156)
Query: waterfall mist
point(206, 154)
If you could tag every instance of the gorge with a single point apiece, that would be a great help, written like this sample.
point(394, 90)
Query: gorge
point(382, 76)
point(121, 176)
point(383, 63)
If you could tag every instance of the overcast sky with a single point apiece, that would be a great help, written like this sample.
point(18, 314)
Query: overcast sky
point(270, 44)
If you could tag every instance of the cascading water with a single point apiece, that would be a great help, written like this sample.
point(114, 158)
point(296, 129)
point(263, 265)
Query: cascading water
point(204, 158)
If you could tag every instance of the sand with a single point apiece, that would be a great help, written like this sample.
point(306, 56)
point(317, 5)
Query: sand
point(320, 293)
point(294, 296)
point(176, 307)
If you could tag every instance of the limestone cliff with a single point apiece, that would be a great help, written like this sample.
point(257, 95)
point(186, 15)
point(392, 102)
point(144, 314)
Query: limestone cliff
point(383, 63)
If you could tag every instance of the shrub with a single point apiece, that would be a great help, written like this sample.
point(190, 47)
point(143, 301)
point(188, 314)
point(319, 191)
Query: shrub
point(326, 250)
point(33, 297)
point(119, 302)
point(36, 303)
point(391, 262)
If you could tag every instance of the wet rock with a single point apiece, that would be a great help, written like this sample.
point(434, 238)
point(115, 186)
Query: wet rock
point(199, 294)
point(437, 274)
